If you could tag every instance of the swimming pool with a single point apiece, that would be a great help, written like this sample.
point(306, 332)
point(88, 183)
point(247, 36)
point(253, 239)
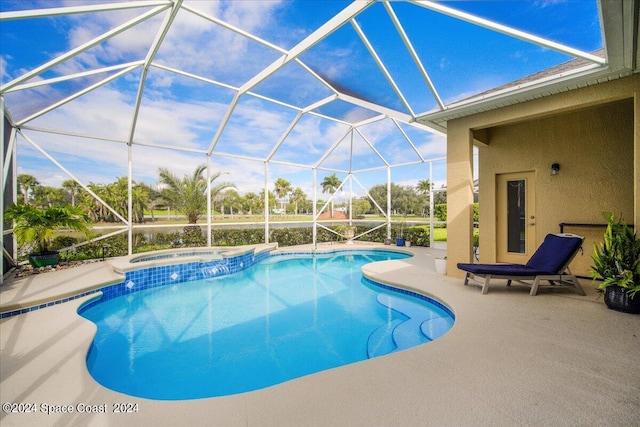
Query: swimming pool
point(285, 317)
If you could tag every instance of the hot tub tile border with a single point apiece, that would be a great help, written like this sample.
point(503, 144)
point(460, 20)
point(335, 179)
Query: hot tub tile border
point(154, 277)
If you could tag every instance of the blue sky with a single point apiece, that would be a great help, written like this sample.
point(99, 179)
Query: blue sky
point(186, 111)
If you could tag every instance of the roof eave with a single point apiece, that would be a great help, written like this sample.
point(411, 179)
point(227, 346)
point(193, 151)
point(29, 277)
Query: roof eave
point(621, 33)
point(585, 76)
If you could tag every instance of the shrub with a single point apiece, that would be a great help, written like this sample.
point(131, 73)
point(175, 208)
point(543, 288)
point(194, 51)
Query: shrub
point(440, 212)
point(418, 235)
point(115, 246)
point(61, 242)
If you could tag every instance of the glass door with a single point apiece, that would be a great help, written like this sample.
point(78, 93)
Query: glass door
point(515, 217)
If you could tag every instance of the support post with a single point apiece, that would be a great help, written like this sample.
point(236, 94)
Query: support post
point(459, 197)
point(209, 212)
point(130, 199)
point(315, 208)
point(636, 166)
point(388, 202)
point(431, 207)
point(266, 202)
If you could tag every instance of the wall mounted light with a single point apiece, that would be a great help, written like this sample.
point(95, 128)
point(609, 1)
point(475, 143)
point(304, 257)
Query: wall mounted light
point(555, 168)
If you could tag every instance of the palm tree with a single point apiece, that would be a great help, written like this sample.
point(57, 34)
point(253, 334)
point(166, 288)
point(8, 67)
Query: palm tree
point(423, 187)
point(272, 199)
point(97, 211)
point(116, 195)
point(189, 194)
point(139, 202)
point(26, 183)
point(329, 185)
point(299, 197)
point(282, 187)
point(45, 196)
point(232, 200)
point(73, 188)
point(250, 201)
point(155, 200)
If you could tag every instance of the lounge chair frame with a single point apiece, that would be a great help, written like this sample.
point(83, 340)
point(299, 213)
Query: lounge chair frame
point(564, 276)
point(553, 280)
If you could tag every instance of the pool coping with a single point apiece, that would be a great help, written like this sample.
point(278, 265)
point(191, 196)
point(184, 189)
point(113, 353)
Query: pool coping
point(129, 263)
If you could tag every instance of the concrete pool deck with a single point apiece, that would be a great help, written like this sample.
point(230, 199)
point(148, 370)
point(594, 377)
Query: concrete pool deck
point(511, 359)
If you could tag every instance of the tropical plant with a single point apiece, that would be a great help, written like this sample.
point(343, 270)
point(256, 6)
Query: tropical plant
point(282, 187)
point(250, 202)
point(139, 202)
point(617, 258)
point(37, 226)
point(330, 185)
point(272, 201)
point(46, 196)
point(233, 201)
point(423, 188)
point(26, 183)
point(73, 188)
point(298, 197)
point(154, 200)
point(189, 194)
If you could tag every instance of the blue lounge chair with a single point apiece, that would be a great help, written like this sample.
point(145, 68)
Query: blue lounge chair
point(550, 262)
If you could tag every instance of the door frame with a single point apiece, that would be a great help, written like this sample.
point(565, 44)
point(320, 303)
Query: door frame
point(530, 244)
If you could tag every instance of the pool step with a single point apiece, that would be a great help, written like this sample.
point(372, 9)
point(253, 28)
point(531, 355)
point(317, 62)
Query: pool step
point(422, 325)
point(407, 334)
point(381, 340)
point(436, 327)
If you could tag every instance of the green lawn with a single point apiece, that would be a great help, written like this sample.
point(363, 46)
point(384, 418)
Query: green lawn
point(440, 234)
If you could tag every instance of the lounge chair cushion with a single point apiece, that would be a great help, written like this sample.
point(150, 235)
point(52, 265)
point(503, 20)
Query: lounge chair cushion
point(501, 269)
point(554, 253)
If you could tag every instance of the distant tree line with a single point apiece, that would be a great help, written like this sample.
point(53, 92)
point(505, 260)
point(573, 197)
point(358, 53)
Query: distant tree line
point(187, 196)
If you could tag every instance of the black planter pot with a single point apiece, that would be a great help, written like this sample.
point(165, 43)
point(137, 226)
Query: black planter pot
point(616, 298)
point(44, 259)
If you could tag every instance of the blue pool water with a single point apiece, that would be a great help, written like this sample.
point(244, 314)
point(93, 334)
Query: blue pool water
point(282, 318)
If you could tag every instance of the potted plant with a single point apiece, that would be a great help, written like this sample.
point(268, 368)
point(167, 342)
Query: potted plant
point(36, 227)
point(347, 231)
point(617, 263)
point(400, 237)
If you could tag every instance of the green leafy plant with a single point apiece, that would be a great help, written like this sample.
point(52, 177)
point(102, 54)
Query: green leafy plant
point(418, 235)
point(617, 258)
point(346, 231)
point(38, 226)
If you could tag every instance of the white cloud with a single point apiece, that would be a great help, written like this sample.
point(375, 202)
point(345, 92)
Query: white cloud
point(192, 122)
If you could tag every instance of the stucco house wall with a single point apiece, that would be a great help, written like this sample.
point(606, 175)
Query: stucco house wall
point(593, 133)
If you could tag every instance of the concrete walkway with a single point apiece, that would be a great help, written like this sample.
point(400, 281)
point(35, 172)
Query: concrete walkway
point(510, 359)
